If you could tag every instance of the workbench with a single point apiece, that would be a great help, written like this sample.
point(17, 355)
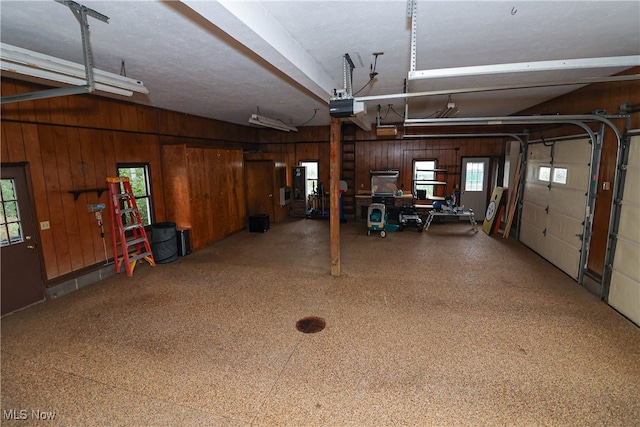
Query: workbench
point(455, 214)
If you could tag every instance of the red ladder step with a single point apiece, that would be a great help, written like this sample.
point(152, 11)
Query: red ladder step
point(135, 247)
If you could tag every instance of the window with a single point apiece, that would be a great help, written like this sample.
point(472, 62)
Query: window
point(138, 174)
point(554, 174)
point(11, 226)
point(312, 175)
point(423, 172)
point(544, 174)
point(474, 178)
point(560, 175)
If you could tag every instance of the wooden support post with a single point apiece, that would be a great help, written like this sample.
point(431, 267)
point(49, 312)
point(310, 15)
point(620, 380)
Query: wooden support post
point(334, 190)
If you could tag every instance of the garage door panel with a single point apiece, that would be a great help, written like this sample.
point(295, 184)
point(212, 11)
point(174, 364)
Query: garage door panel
point(553, 213)
point(624, 296)
point(629, 220)
point(576, 177)
point(534, 215)
point(575, 151)
point(632, 191)
point(536, 193)
point(624, 286)
point(627, 261)
point(568, 202)
point(539, 153)
point(531, 175)
point(565, 229)
point(562, 255)
point(533, 237)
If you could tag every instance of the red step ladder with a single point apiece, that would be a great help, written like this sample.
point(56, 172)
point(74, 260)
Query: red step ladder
point(125, 218)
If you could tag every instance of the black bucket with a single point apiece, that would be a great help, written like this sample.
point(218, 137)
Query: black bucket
point(164, 242)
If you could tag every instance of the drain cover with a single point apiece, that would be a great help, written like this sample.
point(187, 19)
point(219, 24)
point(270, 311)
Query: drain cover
point(311, 324)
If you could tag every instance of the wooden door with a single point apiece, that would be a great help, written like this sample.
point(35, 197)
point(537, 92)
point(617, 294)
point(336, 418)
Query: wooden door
point(261, 186)
point(22, 282)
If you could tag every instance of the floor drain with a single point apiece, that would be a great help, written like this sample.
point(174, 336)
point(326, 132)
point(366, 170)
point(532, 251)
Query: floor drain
point(311, 325)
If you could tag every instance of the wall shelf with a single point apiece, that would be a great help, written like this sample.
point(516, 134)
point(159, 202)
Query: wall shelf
point(77, 193)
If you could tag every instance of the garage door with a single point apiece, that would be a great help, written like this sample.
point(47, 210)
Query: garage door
point(624, 289)
point(555, 201)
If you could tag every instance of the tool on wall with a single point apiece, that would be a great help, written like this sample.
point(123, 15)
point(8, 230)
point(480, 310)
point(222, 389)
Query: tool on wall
point(97, 208)
point(135, 247)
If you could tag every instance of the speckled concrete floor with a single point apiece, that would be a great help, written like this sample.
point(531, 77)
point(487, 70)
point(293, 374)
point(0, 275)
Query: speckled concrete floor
point(443, 328)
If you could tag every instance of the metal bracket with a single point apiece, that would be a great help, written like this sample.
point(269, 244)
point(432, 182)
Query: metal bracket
point(80, 12)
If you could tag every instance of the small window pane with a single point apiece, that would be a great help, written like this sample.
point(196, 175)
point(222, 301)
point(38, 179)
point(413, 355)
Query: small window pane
point(10, 228)
point(15, 232)
point(8, 192)
point(544, 173)
point(560, 175)
point(4, 239)
point(138, 175)
point(474, 180)
point(143, 208)
point(11, 211)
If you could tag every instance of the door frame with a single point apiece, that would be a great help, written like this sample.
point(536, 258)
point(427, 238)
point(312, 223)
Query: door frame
point(30, 199)
point(486, 184)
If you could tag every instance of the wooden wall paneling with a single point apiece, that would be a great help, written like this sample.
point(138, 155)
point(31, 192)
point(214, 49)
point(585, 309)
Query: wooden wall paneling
point(38, 184)
point(104, 113)
point(175, 185)
point(42, 111)
point(67, 146)
point(230, 206)
point(56, 110)
point(216, 189)
point(27, 111)
point(69, 115)
point(147, 119)
point(62, 263)
point(157, 173)
point(81, 110)
point(9, 111)
point(122, 147)
point(4, 145)
point(15, 144)
point(200, 220)
point(93, 178)
point(238, 199)
point(105, 152)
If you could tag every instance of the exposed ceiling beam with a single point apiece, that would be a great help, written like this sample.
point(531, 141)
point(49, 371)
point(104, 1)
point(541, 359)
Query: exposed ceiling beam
point(250, 24)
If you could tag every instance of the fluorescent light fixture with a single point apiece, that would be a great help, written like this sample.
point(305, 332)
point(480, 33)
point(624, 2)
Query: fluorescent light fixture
point(386, 130)
point(40, 66)
point(266, 122)
point(524, 67)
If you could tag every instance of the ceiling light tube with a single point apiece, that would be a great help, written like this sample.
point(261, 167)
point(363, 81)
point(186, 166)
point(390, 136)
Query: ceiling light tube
point(266, 122)
point(34, 64)
point(60, 78)
point(524, 67)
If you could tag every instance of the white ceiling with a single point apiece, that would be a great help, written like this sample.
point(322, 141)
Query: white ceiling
point(224, 60)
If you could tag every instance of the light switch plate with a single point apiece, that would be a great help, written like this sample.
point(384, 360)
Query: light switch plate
point(44, 225)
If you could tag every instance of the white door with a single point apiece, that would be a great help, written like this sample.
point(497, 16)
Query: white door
point(624, 289)
point(555, 201)
point(474, 189)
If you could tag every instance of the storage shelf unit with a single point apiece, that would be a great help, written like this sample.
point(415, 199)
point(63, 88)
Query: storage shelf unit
point(439, 182)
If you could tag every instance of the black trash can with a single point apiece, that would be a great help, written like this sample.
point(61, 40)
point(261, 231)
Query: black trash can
point(164, 242)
